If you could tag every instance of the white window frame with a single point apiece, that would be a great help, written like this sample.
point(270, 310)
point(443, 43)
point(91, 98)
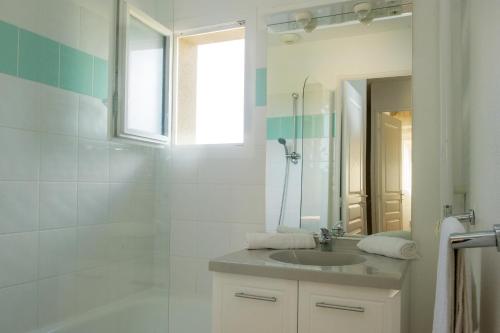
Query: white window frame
point(122, 130)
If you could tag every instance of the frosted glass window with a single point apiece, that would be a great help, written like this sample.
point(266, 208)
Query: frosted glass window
point(220, 92)
point(146, 61)
point(211, 88)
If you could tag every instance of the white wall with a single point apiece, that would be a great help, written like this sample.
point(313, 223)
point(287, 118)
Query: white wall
point(483, 45)
point(426, 209)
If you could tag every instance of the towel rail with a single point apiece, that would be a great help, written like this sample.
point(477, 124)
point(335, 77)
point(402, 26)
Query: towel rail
point(469, 216)
point(477, 239)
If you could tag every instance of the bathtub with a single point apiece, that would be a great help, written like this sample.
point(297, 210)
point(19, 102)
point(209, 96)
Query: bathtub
point(144, 313)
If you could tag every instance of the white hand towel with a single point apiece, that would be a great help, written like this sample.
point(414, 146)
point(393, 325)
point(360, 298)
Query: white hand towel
point(450, 314)
point(283, 229)
point(280, 241)
point(393, 247)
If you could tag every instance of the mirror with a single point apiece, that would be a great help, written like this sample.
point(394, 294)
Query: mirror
point(339, 118)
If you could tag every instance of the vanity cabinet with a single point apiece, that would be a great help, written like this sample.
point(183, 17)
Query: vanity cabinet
point(337, 308)
point(248, 304)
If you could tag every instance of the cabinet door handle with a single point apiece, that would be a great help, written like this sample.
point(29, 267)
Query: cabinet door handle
point(256, 297)
point(340, 307)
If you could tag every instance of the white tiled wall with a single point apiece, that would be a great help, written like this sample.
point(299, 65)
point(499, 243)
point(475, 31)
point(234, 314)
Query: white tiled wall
point(217, 192)
point(217, 197)
point(77, 219)
point(83, 218)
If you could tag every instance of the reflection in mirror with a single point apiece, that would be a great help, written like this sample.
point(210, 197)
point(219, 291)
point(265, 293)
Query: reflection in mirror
point(376, 155)
point(339, 119)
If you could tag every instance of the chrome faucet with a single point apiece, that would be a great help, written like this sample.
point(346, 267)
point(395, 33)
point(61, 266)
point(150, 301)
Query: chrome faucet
point(338, 230)
point(325, 236)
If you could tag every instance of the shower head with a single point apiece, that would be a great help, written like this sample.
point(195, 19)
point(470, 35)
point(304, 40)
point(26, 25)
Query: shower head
point(282, 141)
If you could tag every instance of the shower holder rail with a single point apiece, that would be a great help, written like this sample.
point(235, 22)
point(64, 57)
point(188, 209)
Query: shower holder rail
point(476, 239)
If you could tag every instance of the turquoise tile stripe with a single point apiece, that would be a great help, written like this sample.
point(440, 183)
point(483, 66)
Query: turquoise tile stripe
point(308, 127)
point(100, 86)
point(38, 58)
point(8, 42)
point(261, 87)
point(34, 57)
point(76, 70)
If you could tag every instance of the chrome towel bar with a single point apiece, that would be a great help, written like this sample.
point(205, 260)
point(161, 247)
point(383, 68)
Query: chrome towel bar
point(477, 239)
point(469, 216)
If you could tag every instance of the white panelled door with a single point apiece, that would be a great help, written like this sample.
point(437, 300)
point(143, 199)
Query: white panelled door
point(390, 162)
point(354, 155)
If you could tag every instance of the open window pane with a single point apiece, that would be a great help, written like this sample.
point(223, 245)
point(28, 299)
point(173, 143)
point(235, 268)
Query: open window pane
point(146, 60)
point(144, 74)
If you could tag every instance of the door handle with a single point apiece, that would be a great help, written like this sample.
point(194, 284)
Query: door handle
point(340, 307)
point(256, 297)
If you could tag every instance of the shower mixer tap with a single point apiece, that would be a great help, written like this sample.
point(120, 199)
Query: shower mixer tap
point(294, 157)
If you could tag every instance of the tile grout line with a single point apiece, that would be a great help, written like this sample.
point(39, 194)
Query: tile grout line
point(37, 283)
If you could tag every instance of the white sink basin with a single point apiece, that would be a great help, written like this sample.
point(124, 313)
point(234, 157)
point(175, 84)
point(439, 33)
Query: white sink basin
point(317, 258)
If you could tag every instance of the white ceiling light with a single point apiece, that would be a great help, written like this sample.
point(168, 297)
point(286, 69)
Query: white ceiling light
point(289, 38)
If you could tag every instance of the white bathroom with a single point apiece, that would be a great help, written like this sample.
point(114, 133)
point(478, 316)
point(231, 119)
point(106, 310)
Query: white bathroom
point(237, 166)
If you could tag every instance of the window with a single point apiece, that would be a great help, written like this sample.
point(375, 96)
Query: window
point(144, 77)
point(211, 86)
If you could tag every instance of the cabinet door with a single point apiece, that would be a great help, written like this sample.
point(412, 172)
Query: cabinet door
point(246, 304)
point(330, 308)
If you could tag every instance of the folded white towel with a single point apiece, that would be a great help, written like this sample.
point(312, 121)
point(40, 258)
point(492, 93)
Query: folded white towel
point(280, 241)
point(283, 229)
point(389, 246)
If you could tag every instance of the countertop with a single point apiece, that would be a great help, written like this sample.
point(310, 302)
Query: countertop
point(376, 272)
